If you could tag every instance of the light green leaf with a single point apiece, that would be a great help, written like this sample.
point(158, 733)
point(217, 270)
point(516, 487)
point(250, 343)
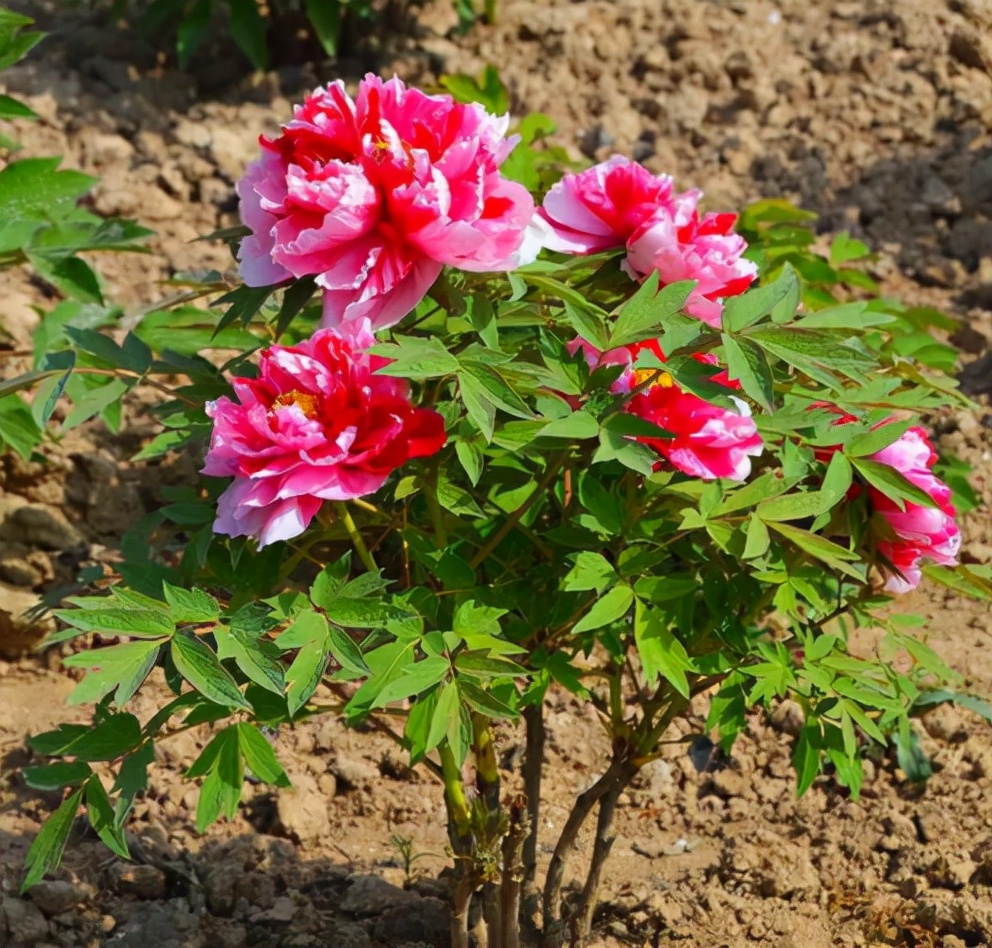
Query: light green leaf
point(608, 608)
point(46, 851)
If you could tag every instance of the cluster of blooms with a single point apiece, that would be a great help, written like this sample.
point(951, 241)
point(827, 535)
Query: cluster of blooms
point(371, 197)
point(704, 440)
point(911, 533)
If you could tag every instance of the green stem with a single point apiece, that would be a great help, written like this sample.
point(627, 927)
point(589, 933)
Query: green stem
point(454, 791)
point(434, 509)
point(514, 518)
point(356, 537)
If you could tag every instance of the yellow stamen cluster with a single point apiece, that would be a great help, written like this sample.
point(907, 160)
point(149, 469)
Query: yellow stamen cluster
point(654, 377)
point(306, 402)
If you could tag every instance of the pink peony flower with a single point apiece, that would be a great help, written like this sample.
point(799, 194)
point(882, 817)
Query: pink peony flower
point(603, 206)
point(920, 532)
point(685, 246)
point(707, 441)
point(316, 424)
point(373, 196)
point(620, 203)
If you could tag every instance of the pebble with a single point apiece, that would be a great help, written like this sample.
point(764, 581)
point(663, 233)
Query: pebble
point(301, 812)
point(371, 895)
point(24, 921)
point(144, 882)
point(54, 897)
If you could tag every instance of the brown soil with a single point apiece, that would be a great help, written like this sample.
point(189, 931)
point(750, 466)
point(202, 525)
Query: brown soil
point(874, 113)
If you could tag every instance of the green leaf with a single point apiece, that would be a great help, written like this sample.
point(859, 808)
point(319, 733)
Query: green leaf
point(248, 30)
point(845, 248)
point(109, 739)
point(662, 654)
point(591, 571)
point(95, 402)
point(471, 458)
point(17, 428)
point(758, 539)
point(608, 608)
point(577, 426)
point(103, 819)
point(57, 776)
point(478, 405)
point(11, 108)
point(199, 665)
point(806, 756)
point(414, 679)
point(190, 605)
point(140, 623)
point(257, 657)
point(46, 851)
point(446, 710)
point(34, 189)
point(498, 389)
point(192, 31)
point(893, 484)
point(801, 506)
point(223, 765)
point(122, 667)
point(912, 759)
point(416, 357)
point(260, 757)
point(643, 315)
point(71, 276)
point(834, 555)
point(747, 363)
point(325, 17)
point(881, 437)
point(589, 322)
point(739, 312)
point(48, 393)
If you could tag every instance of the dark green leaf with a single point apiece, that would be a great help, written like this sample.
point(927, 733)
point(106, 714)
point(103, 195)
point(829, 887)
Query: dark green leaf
point(46, 851)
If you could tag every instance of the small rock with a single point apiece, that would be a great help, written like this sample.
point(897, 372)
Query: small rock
point(370, 895)
point(788, 718)
point(220, 890)
point(22, 921)
point(37, 525)
point(21, 628)
point(145, 882)
point(54, 897)
point(945, 723)
point(283, 910)
point(425, 921)
point(348, 935)
point(354, 773)
point(154, 926)
point(301, 812)
point(729, 783)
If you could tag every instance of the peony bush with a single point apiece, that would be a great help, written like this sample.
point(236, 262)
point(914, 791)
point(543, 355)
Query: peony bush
point(475, 444)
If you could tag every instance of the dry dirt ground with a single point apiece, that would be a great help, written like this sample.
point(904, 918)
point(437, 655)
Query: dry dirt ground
point(875, 114)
